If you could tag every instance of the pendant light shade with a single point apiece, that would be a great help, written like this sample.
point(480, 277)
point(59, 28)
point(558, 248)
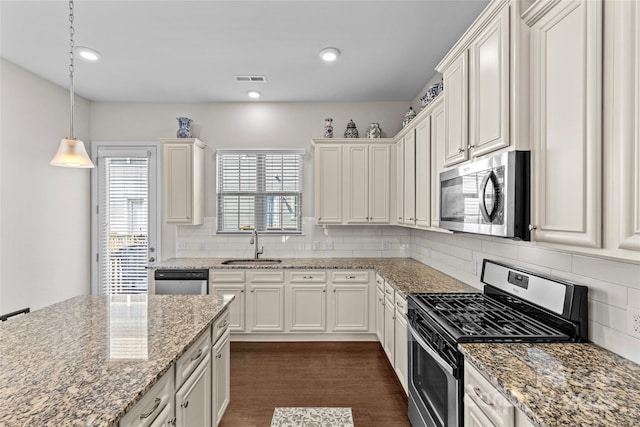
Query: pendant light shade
point(72, 154)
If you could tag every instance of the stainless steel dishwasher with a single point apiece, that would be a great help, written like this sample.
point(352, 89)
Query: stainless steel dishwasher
point(181, 282)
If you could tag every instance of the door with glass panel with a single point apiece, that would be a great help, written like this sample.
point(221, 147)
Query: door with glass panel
point(125, 223)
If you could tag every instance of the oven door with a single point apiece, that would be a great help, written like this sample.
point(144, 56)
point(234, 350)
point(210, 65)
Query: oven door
point(434, 386)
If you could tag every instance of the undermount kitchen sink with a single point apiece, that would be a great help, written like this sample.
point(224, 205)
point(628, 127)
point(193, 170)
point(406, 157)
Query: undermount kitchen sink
point(263, 261)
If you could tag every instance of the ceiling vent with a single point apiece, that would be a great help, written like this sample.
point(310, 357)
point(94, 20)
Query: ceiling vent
point(251, 79)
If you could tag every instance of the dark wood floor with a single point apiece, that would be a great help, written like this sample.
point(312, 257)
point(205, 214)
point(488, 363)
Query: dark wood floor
point(333, 374)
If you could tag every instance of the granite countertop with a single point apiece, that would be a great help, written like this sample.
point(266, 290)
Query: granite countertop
point(405, 274)
point(562, 384)
point(87, 360)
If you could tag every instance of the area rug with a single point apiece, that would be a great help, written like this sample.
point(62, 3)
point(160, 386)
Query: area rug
point(312, 417)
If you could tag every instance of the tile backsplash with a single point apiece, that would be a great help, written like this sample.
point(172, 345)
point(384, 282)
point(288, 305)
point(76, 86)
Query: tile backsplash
point(614, 286)
point(315, 242)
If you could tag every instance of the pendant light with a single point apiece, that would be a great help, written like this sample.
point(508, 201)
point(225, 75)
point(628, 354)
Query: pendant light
point(71, 153)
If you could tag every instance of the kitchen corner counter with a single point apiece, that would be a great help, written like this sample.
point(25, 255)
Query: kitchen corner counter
point(405, 274)
point(87, 360)
point(562, 384)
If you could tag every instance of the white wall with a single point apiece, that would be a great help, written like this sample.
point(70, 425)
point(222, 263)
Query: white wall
point(240, 125)
point(613, 285)
point(44, 222)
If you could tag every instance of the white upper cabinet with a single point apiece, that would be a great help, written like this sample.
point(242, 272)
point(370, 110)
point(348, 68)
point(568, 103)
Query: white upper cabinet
point(184, 180)
point(400, 181)
point(566, 97)
point(455, 79)
point(437, 158)
point(328, 183)
point(423, 173)
point(367, 181)
point(409, 189)
point(489, 87)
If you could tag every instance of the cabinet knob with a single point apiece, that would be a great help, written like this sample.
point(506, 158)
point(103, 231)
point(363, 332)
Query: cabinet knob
point(400, 218)
point(324, 290)
point(185, 404)
point(241, 291)
point(470, 146)
point(460, 150)
point(219, 356)
point(532, 227)
point(173, 421)
point(334, 291)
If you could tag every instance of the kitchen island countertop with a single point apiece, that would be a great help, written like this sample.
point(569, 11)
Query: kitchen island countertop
point(562, 384)
point(405, 274)
point(87, 360)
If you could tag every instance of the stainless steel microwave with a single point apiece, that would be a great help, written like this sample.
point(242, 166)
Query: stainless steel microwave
point(489, 196)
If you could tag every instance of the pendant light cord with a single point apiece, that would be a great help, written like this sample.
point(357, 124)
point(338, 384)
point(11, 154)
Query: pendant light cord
point(71, 49)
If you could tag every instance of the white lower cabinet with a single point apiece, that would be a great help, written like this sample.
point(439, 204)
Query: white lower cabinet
point(193, 399)
point(266, 308)
point(400, 341)
point(220, 384)
point(485, 406)
point(157, 401)
point(380, 314)
point(350, 308)
point(225, 282)
point(307, 307)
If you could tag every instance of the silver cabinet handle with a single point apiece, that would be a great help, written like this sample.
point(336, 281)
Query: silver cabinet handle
point(152, 259)
point(532, 227)
point(460, 150)
point(350, 277)
point(219, 356)
point(241, 291)
point(197, 356)
point(482, 397)
point(156, 403)
point(324, 290)
point(224, 324)
point(400, 218)
point(185, 404)
point(387, 292)
point(173, 421)
point(334, 291)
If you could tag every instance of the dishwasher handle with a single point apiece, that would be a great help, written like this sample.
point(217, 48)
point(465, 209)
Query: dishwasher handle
point(190, 274)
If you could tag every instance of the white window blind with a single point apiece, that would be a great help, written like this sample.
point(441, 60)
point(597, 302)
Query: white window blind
point(123, 188)
point(260, 189)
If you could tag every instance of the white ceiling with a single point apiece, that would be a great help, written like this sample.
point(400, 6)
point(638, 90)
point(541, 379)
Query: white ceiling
point(189, 51)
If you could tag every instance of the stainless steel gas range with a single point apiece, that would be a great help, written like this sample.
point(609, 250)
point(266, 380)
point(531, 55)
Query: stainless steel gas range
point(517, 306)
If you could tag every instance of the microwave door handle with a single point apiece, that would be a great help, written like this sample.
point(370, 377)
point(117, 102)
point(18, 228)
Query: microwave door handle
point(488, 216)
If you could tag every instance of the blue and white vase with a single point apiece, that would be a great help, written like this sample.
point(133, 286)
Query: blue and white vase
point(184, 131)
point(328, 128)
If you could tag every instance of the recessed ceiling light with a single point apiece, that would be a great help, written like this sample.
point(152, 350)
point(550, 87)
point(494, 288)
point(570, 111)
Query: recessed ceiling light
point(254, 94)
point(329, 54)
point(88, 54)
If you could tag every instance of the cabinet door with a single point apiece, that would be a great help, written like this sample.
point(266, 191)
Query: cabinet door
point(389, 330)
point(237, 307)
point(178, 183)
point(220, 384)
point(193, 399)
point(566, 56)
point(356, 178)
point(473, 415)
point(379, 182)
point(166, 418)
point(400, 181)
point(410, 178)
point(489, 87)
point(401, 343)
point(437, 159)
point(380, 315)
point(350, 308)
point(307, 307)
point(266, 308)
point(328, 184)
point(423, 173)
point(455, 111)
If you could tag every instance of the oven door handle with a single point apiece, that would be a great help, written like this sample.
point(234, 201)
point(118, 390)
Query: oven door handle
point(443, 363)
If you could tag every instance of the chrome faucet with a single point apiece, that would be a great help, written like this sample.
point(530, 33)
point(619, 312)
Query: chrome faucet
point(254, 241)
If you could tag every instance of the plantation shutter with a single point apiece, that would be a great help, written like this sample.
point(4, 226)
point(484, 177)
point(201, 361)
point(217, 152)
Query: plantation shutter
point(260, 189)
point(123, 222)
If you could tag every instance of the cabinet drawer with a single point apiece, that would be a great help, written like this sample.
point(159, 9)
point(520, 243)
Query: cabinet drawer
point(379, 282)
point(220, 326)
point(192, 357)
point(401, 303)
point(265, 276)
point(227, 276)
point(389, 292)
point(350, 276)
point(492, 403)
point(152, 403)
point(308, 277)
